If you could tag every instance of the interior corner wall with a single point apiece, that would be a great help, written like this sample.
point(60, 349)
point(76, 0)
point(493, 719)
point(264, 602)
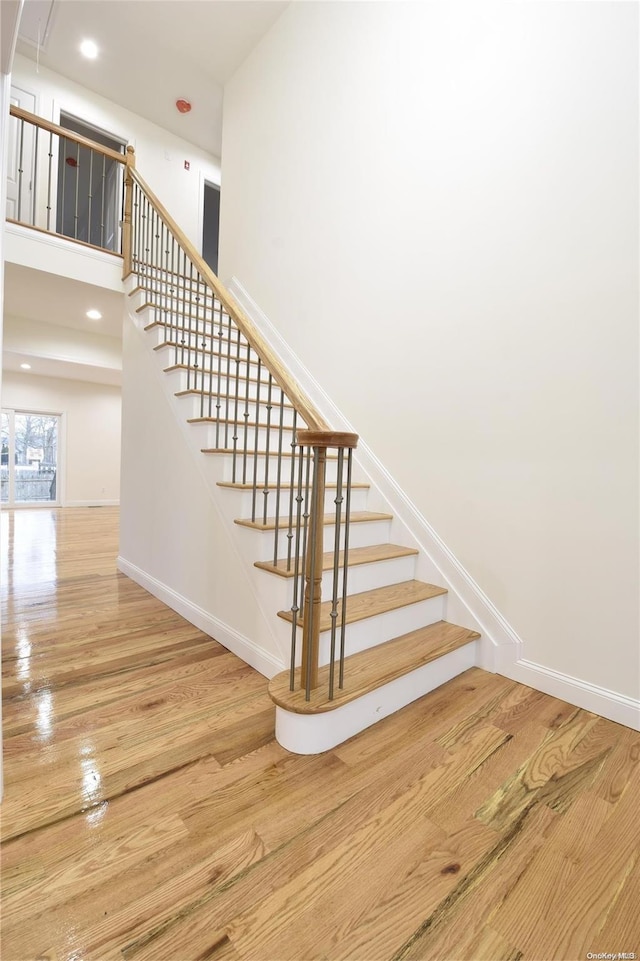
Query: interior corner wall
point(436, 204)
point(160, 155)
point(90, 442)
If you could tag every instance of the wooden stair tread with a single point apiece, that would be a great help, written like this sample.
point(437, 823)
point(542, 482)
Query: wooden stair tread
point(200, 392)
point(357, 556)
point(370, 669)
point(237, 486)
point(239, 423)
point(250, 453)
point(207, 373)
point(207, 350)
point(381, 600)
point(357, 517)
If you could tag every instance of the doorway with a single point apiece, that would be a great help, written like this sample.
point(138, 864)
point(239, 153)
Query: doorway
point(89, 187)
point(29, 457)
point(211, 225)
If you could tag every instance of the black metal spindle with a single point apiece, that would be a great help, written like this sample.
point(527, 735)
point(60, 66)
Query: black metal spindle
point(102, 207)
point(343, 613)
point(254, 492)
point(336, 570)
point(49, 180)
point(20, 170)
point(90, 196)
point(34, 180)
point(298, 574)
point(278, 480)
point(246, 415)
point(291, 487)
point(265, 489)
point(236, 408)
point(75, 209)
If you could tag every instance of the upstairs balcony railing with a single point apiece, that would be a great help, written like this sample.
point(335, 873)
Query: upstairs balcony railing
point(297, 471)
point(63, 183)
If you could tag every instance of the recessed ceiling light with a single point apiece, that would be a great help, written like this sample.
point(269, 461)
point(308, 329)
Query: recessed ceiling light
point(94, 315)
point(89, 49)
point(26, 366)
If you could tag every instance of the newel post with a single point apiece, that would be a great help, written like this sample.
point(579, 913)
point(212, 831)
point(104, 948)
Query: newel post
point(320, 441)
point(127, 214)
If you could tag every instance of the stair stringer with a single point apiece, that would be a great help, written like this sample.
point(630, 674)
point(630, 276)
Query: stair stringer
point(250, 628)
point(466, 602)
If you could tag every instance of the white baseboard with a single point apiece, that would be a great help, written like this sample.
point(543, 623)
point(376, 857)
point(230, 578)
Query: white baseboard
point(96, 503)
point(261, 660)
point(599, 700)
point(480, 612)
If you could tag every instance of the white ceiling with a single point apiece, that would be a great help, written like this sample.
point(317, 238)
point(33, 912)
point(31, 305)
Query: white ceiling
point(36, 295)
point(152, 52)
point(49, 298)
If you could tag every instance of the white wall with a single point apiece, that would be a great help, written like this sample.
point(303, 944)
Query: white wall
point(160, 155)
point(174, 540)
point(436, 204)
point(90, 432)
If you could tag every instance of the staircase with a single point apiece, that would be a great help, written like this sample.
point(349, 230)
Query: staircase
point(366, 636)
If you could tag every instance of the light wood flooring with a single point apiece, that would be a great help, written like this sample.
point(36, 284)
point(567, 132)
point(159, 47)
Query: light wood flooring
point(149, 814)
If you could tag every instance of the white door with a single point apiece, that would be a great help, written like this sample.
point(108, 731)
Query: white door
point(20, 160)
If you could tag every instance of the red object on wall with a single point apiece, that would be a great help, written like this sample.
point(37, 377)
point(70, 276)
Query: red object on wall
point(183, 106)
point(71, 161)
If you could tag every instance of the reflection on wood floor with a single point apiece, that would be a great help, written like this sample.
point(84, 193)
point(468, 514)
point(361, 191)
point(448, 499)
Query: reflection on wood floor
point(149, 813)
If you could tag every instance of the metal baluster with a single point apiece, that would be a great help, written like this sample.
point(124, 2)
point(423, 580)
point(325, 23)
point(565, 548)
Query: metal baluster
point(61, 206)
point(49, 181)
point(104, 179)
point(316, 532)
point(91, 153)
point(75, 211)
point(336, 570)
point(278, 479)
point(34, 181)
point(20, 170)
point(347, 519)
point(291, 486)
point(182, 271)
point(173, 330)
point(228, 383)
point(246, 414)
point(266, 471)
point(257, 433)
point(300, 557)
point(235, 413)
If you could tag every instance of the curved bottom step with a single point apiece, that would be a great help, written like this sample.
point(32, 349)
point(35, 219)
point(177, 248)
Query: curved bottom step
point(304, 727)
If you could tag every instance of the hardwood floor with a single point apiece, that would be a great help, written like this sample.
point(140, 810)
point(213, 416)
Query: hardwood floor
point(149, 813)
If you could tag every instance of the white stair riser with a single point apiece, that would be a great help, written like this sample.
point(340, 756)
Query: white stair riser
point(197, 339)
point(360, 535)
point(220, 467)
point(213, 435)
point(169, 355)
point(208, 403)
point(243, 503)
point(314, 733)
point(372, 631)
point(364, 577)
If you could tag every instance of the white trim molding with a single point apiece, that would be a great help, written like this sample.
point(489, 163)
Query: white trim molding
point(237, 643)
point(94, 503)
point(599, 700)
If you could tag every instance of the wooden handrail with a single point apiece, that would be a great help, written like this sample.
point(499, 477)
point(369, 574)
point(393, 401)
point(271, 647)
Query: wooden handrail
point(55, 128)
point(281, 375)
